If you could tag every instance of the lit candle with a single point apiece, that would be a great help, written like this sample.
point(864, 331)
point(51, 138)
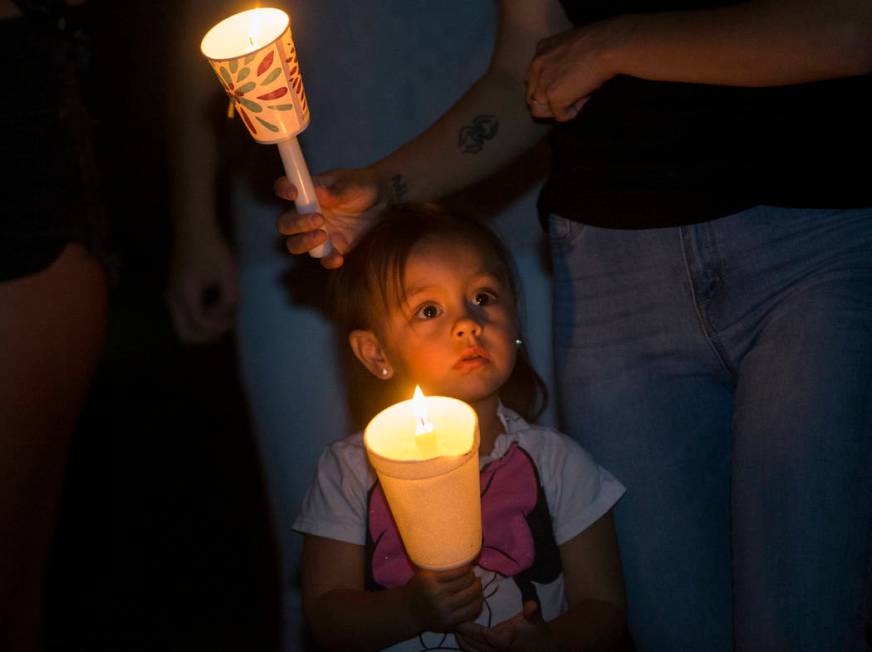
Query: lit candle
point(425, 439)
point(253, 54)
point(426, 458)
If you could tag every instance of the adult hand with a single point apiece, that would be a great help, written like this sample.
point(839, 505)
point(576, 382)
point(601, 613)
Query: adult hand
point(441, 600)
point(203, 288)
point(350, 200)
point(567, 68)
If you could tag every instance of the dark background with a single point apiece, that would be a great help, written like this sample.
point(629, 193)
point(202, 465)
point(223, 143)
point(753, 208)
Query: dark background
point(164, 539)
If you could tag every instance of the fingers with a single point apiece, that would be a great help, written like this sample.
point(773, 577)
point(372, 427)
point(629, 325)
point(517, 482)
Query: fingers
point(292, 223)
point(284, 189)
point(333, 261)
point(453, 580)
point(499, 637)
point(477, 638)
point(574, 109)
point(454, 573)
point(540, 108)
point(336, 258)
point(469, 601)
point(549, 103)
point(546, 105)
point(304, 242)
point(451, 597)
point(305, 232)
point(537, 95)
point(470, 638)
point(466, 645)
point(534, 73)
point(182, 323)
point(196, 319)
point(553, 91)
point(464, 598)
point(531, 611)
point(469, 630)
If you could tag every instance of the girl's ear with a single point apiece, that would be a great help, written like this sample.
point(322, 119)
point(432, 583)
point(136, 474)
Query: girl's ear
point(368, 350)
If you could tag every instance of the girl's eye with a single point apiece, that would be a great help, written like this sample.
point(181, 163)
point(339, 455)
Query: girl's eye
point(427, 312)
point(483, 298)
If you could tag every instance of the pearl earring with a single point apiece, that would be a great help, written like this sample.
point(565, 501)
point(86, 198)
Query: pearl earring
point(384, 372)
point(518, 341)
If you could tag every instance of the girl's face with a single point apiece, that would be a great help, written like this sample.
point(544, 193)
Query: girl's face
point(455, 333)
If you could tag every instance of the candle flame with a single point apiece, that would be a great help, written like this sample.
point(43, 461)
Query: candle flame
point(255, 27)
point(422, 425)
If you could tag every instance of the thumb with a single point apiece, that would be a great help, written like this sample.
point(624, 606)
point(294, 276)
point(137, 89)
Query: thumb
point(328, 187)
point(531, 612)
point(499, 637)
point(227, 298)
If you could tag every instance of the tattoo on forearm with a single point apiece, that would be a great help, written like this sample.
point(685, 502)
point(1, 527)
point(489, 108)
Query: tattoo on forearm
point(399, 188)
point(472, 137)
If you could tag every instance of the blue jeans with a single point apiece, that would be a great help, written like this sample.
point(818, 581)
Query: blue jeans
point(723, 372)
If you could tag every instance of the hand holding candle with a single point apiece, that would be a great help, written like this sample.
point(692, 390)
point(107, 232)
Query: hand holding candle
point(253, 54)
point(426, 459)
point(441, 600)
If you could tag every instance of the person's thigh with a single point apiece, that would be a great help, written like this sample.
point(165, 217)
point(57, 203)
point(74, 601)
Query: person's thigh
point(802, 459)
point(51, 335)
point(642, 387)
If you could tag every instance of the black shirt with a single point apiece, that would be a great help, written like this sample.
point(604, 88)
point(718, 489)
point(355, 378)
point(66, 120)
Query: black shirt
point(645, 154)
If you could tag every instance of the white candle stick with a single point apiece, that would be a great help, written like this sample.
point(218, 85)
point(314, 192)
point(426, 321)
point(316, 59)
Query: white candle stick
point(298, 173)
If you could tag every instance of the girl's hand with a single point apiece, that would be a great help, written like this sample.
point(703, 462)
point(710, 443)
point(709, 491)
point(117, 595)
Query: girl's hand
point(567, 68)
point(350, 201)
point(440, 600)
point(523, 632)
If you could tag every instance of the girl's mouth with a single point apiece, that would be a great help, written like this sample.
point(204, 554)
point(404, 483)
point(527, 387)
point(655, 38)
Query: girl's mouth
point(472, 358)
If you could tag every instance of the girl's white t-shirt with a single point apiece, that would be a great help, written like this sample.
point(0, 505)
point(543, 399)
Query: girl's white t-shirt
point(539, 490)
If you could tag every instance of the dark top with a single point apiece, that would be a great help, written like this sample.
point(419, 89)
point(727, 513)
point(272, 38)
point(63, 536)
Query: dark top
point(49, 185)
point(648, 154)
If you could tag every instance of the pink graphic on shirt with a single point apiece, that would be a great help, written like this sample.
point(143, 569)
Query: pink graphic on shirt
point(509, 491)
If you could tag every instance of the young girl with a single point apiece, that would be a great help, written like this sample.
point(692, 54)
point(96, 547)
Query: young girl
point(428, 298)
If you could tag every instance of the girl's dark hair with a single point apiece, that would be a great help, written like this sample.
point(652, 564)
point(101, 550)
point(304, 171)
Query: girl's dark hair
point(371, 281)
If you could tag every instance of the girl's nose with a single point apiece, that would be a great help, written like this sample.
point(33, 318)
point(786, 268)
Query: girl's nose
point(467, 326)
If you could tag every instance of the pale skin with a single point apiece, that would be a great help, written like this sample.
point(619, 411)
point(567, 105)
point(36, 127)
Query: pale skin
point(455, 334)
point(544, 67)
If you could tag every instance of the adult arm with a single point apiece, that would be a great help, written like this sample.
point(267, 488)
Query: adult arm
point(202, 283)
point(484, 130)
point(758, 43)
point(443, 159)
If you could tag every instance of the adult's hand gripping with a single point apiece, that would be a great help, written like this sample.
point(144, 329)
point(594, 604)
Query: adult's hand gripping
point(351, 200)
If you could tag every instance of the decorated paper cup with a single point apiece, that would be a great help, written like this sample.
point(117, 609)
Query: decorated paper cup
point(253, 54)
